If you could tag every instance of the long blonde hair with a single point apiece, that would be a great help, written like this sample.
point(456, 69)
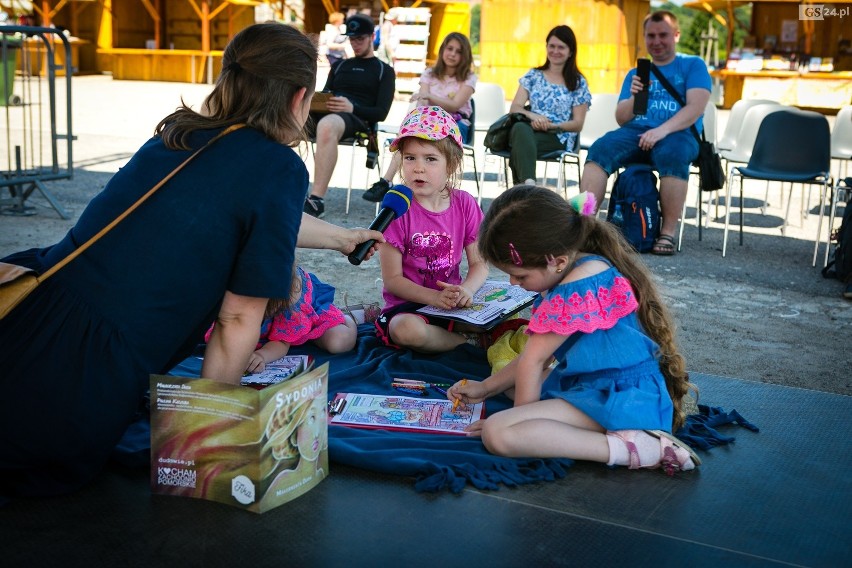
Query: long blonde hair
point(539, 223)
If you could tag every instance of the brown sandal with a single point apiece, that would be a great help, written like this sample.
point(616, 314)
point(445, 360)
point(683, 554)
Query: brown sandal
point(664, 246)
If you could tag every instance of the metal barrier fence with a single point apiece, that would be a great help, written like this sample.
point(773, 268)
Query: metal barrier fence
point(31, 101)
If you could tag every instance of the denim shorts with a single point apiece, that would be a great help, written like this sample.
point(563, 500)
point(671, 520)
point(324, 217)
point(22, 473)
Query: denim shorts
point(671, 156)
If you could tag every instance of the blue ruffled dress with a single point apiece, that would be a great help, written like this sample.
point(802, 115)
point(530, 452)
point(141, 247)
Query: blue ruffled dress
point(607, 367)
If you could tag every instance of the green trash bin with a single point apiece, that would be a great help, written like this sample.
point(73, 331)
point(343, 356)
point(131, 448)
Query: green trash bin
point(9, 47)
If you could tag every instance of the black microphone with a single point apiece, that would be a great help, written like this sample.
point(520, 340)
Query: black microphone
point(640, 99)
point(394, 204)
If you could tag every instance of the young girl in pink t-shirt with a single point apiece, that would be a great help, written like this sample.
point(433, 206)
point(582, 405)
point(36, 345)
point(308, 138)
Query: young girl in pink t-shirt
point(421, 258)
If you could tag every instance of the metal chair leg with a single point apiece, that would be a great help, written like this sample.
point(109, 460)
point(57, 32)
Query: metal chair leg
point(351, 168)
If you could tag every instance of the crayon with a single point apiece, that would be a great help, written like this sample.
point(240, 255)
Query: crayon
point(458, 400)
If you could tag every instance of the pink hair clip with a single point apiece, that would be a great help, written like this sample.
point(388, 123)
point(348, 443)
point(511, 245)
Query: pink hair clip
point(551, 260)
point(516, 258)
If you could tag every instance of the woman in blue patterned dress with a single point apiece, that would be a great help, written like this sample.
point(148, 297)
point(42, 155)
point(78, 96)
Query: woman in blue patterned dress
point(558, 98)
point(600, 378)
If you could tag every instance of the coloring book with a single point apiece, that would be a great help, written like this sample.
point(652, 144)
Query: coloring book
point(493, 303)
point(428, 415)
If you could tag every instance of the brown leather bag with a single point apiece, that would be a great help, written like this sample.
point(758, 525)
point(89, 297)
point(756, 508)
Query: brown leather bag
point(16, 283)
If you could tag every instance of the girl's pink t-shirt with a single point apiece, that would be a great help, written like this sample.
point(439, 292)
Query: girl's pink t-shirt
point(432, 244)
point(448, 87)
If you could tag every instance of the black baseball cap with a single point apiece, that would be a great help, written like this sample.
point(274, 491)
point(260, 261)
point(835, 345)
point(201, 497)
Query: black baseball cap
point(358, 25)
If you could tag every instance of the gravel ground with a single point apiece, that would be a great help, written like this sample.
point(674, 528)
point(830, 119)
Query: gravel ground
point(762, 313)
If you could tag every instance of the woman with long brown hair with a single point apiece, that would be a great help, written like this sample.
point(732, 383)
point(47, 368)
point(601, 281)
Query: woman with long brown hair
point(554, 98)
point(212, 244)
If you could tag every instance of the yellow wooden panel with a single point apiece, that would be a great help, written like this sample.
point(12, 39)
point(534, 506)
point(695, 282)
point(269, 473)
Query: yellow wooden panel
point(447, 18)
point(513, 32)
point(187, 66)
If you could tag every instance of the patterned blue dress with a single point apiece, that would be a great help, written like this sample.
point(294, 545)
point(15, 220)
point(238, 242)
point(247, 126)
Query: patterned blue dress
point(607, 366)
point(556, 102)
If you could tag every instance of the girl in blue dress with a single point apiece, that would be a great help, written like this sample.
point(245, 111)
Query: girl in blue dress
point(308, 315)
point(600, 378)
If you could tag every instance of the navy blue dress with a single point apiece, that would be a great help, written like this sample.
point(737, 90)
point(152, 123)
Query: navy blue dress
point(77, 353)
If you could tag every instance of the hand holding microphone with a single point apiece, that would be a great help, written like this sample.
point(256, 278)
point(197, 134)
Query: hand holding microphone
point(394, 204)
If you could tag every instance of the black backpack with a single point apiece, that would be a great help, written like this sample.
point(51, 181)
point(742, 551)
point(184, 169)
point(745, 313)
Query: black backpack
point(634, 206)
point(840, 262)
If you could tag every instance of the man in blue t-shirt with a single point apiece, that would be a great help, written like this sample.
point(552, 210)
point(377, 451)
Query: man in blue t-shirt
point(662, 136)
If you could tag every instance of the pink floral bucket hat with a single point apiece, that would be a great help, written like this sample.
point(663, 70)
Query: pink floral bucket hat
point(428, 123)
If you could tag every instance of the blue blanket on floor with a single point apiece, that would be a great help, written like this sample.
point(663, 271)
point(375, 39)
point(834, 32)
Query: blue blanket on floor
point(436, 461)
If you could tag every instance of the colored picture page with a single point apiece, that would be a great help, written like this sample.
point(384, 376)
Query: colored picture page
point(405, 413)
point(492, 302)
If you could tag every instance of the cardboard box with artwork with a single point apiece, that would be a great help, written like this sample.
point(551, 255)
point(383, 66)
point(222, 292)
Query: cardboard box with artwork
point(249, 448)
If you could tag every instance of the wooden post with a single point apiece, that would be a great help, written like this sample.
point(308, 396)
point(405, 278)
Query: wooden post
point(205, 26)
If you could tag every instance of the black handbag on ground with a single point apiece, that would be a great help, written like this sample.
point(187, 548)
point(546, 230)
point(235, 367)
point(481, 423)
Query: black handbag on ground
point(711, 175)
point(497, 137)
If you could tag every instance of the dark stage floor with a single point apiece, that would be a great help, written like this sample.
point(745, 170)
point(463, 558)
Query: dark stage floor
point(780, 497)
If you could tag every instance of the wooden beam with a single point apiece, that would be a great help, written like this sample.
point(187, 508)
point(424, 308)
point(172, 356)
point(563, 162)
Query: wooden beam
point(205, 25)
point(218, 10)
point(155, 15)
point(151, 10)
point(195, 7)
point(329, 7)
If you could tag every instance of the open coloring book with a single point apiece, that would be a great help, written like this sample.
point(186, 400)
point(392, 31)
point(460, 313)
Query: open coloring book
point(493, 303)
point(428, 415)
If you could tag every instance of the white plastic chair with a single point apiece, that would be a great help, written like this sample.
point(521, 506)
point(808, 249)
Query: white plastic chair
point(735, 122)
point(600, 119)
point(709, 120)
point(490, 101)
point(841, 141)
point(743, 145)
point(359, 140)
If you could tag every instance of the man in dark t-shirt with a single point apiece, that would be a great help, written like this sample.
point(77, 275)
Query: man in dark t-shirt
point(363, 89)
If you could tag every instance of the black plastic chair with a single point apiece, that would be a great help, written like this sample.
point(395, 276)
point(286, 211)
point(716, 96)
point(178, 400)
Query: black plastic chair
point(467, 146)
point(792, 146)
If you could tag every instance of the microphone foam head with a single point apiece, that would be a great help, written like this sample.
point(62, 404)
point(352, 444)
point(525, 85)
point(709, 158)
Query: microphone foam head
point(398, 198)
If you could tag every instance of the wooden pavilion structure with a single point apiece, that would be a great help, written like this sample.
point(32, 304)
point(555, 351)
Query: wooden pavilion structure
point(805, 56)
point(181, 40)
